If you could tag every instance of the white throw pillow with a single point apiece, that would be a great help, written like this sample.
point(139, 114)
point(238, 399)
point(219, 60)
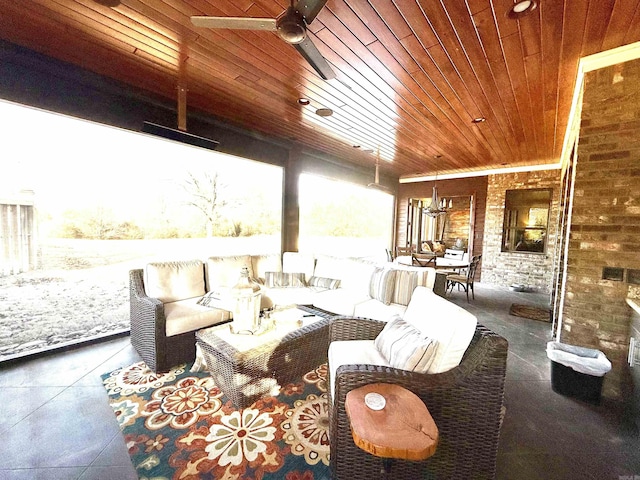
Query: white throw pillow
point(405, 347)
point(452, 326)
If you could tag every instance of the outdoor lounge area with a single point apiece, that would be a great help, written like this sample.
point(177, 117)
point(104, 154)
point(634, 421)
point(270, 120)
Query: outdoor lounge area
point(58, 424)
point(235, 212)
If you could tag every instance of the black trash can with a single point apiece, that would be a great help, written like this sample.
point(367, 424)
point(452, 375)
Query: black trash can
point(577, 371)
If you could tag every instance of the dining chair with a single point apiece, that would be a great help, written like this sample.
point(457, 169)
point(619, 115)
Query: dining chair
point(423, 259)
point(404, 251)
point(465, 280)
point(454, 254)
point(389, 255)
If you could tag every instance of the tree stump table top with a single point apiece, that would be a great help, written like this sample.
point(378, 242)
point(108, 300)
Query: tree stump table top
point(403, 429)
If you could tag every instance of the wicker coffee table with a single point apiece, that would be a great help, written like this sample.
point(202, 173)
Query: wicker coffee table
point(247, 367)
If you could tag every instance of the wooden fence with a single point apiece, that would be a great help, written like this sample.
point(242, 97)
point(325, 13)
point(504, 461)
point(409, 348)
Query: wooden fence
point(18, 248)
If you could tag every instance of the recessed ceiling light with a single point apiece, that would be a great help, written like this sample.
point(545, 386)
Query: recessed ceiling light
point(522, 8)
point(324, 112)
point(368, 150)
point(304, 101)
point(478, 120)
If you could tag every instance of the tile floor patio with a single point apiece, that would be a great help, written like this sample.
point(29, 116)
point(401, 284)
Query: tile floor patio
point(56, 423)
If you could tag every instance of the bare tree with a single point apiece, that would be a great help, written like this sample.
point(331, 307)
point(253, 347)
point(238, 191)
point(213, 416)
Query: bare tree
point(100, 223)
point(205, 196)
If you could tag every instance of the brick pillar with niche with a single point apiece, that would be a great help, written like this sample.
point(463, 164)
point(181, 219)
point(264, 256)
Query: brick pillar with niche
point(604, 242)
point(506, 268)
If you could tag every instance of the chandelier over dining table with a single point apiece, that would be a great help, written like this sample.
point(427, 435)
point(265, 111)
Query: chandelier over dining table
point(437, 206)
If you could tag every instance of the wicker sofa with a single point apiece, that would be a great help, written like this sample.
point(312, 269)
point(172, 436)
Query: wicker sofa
point(164, 296)
point(465, 401)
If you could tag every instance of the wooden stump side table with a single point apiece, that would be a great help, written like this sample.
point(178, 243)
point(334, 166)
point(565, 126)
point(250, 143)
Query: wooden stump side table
point(403, 429)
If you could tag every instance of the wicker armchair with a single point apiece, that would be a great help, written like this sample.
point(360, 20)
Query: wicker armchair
point(148, 330)
point(465, 402)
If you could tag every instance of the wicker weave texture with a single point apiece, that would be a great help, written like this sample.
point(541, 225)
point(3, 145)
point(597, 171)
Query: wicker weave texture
point(246, 376)
point(148, 334)
point(465, 403)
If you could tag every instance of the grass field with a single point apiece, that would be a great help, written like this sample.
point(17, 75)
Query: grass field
point(81, 288)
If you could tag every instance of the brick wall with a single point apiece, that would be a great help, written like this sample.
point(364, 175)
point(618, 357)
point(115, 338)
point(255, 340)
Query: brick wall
point(605, 224)
point(458, 219)
point(476, 186)
point(506, 268)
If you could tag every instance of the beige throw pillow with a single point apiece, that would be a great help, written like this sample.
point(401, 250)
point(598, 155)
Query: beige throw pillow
point(284, 279)
point(405, 347)
point(381, 286)
point(171, 281)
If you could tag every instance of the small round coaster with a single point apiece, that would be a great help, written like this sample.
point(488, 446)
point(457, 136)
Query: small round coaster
point(374, 401)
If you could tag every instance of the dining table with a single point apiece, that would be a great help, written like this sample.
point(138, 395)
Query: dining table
point(450, 263)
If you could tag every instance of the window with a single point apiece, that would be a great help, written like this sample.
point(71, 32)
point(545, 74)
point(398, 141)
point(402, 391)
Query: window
point(526, 219)
point(81, 204)
point(343, 219)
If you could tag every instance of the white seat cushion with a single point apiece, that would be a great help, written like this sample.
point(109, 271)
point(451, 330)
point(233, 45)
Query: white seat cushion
point(378, 311)
point(283, 296)
point(225, 271)
point(265, 263)
point(356, 276)
point(451, 326)
point(329, 267)
point(353, 352)
point(186, 316)
point(339, 301)
point(296, 262)
point(171, 281)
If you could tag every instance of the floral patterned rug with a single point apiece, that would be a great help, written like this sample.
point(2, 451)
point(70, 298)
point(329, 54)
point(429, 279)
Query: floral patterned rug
point(179, 425)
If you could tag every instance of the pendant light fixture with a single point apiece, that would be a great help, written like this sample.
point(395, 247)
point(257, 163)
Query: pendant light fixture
point(438, 206)
point(376, 179)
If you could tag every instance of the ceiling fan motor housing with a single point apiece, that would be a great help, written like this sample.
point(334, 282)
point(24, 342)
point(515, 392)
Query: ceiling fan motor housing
point(291, 27)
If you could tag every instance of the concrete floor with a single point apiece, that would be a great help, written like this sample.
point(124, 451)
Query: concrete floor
point(56, 422)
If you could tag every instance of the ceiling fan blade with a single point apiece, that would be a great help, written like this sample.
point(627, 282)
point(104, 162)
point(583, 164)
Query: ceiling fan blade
point(310, 8)
point(311, 54)
point(235, 23)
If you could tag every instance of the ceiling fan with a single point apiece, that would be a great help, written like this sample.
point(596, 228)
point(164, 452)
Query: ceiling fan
point(291, 26)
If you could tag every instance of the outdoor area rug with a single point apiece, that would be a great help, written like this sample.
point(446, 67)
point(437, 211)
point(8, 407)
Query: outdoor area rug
point(179, 425)
point(533, 313)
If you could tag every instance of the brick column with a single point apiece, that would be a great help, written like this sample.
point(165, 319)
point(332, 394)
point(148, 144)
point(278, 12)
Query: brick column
point(605, 224)
point(506, 268)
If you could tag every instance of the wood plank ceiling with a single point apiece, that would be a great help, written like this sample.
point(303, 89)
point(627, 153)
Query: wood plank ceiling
point(411, 74)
